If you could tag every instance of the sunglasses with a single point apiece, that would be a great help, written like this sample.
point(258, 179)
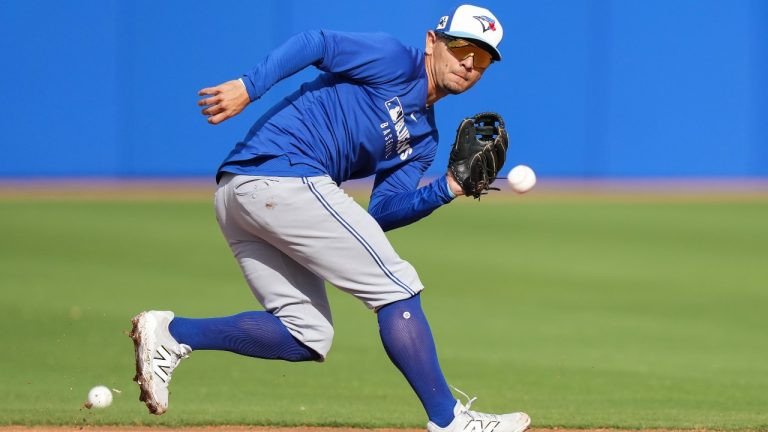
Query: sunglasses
point(461, 49)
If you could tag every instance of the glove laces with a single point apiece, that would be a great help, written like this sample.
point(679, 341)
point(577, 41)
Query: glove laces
point(474, 414)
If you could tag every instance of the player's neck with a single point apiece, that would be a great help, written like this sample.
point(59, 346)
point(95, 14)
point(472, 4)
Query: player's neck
point(433, 93)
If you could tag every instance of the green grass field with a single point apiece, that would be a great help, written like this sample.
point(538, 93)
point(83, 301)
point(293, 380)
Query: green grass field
point(584, 313)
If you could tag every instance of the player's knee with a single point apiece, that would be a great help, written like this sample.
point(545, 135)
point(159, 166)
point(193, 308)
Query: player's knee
point(318, 343)
point(301, 355)
point(314, 331)
point(325, 339)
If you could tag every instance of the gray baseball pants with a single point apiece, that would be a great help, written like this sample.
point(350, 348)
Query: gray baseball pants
point(290, 234)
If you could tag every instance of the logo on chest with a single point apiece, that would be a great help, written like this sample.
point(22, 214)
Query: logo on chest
point(397, 138)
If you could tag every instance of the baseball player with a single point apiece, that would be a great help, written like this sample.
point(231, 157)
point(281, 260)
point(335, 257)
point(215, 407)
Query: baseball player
point(291, 227)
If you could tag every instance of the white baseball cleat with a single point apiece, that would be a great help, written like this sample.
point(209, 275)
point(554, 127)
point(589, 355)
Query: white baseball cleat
point(473, 421)
point(157, 355)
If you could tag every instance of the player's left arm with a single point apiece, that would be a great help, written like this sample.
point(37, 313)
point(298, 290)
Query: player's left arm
point(397, 201)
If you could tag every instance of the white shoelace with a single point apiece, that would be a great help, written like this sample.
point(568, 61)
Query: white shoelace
point(474, 414)
point(182, 351)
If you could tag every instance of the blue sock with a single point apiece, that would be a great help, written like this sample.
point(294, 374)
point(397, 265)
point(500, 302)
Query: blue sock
point(255, 334)
point(408, 341)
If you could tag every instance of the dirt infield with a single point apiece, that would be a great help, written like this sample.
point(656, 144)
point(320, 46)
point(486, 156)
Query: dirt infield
point(202, 189)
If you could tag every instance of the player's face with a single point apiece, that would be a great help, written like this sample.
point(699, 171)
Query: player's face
point(458, 64)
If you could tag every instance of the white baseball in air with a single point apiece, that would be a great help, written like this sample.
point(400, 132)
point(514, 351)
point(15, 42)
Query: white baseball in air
point(521, 178)
point(99, 397)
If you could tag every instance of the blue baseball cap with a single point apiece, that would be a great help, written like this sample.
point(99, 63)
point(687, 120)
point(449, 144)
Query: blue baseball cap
point(475, 24)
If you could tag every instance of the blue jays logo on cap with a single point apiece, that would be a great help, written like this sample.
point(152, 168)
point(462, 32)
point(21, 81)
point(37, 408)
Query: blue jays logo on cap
point(486, 22)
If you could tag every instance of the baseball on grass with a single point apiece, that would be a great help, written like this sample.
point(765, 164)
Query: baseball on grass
point(99, 397)
point(521, 178)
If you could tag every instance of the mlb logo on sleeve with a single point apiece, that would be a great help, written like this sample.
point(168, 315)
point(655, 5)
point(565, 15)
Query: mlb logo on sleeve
point(395, 109)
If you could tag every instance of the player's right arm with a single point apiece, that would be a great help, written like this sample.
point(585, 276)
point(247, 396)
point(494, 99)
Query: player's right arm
point(223, 101)
point(230, 98)
point(365, 58)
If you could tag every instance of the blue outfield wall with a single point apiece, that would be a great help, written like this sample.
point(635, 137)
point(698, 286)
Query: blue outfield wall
point(589, 88)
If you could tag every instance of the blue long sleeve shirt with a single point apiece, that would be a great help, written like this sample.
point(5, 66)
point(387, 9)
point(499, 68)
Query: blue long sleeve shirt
point(365, 114)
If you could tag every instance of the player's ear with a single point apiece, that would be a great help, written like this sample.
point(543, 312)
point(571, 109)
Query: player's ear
point(429, 45)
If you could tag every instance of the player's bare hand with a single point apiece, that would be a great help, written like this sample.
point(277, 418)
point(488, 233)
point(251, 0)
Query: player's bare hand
point(223, 101)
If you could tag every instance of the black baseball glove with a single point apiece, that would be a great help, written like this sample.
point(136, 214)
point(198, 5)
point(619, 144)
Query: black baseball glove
point(479, 152)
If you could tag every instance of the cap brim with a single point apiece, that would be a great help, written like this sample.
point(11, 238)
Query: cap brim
point(482, 44)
